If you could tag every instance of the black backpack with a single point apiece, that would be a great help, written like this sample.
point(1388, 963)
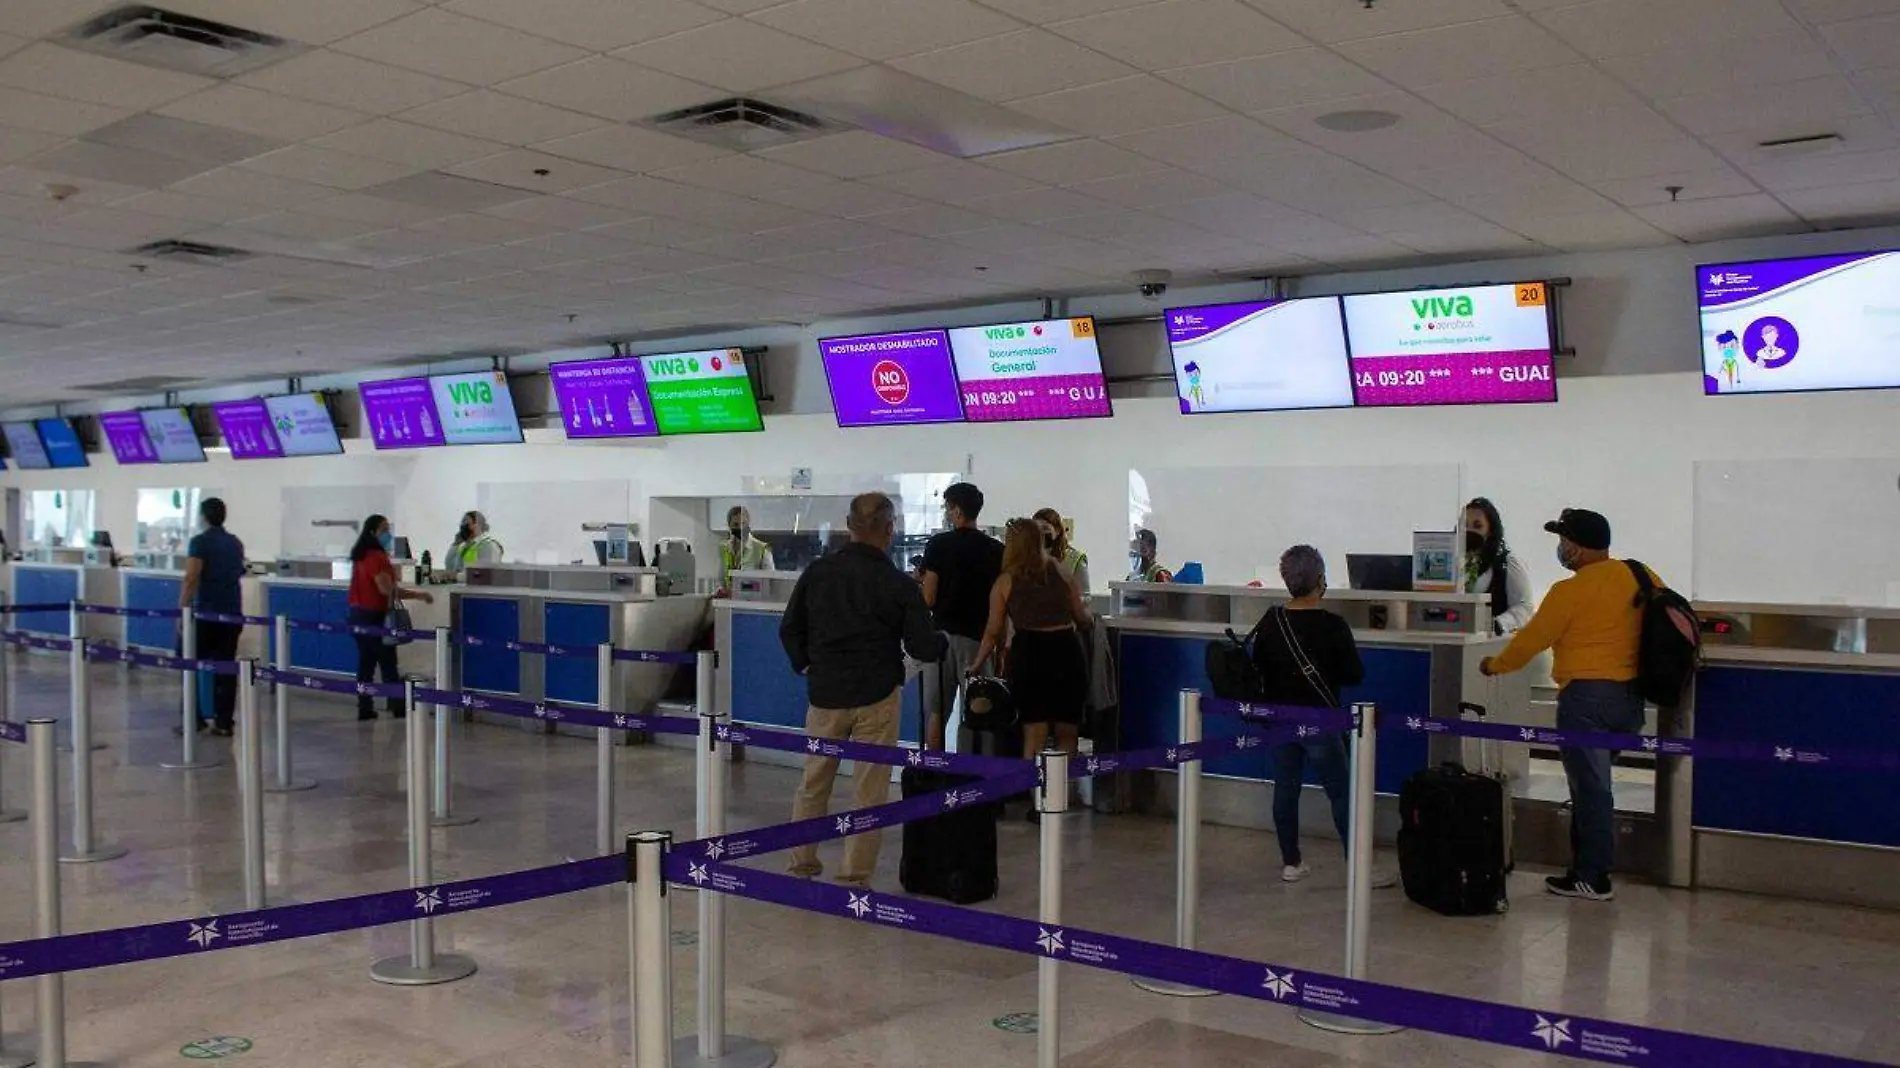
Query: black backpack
point(1670, 649)
point(1231, 673)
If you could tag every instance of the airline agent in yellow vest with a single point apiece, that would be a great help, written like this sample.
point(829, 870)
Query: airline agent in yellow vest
point(474, 546)
point(740, 550)
point(1142, 562)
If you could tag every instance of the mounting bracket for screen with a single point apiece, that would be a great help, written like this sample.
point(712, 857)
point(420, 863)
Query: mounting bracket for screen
point(1559, 342)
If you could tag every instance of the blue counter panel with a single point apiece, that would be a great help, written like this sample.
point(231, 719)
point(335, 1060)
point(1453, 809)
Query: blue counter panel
point(765, 690)
point(151, 591)
point(44, 585)
point(309, 649)
point(490, 669)
point(1155, 669)
point(1823, 709)
point(574, 680)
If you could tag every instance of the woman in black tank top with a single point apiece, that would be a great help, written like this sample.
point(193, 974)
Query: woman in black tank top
point(1036, 602)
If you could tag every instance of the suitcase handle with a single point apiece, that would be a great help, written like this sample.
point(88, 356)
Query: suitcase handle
point(1474, 708)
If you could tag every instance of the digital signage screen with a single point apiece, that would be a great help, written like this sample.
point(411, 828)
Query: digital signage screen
point(475, 409)
point(303, 425)
point(126, 436)
point(23, 441)
point(1037, 370)
point(247, 430)
point(891, 379)
point(173, 436)
point(1815, 323)
point(1461, 345)
point(62, 443)
point(603, 398)
point(701, 392)
point(401, 413)
point(1260, 356)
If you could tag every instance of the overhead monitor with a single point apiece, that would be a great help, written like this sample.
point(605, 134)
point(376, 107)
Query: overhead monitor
point(23, 441)
point(706, 392)
point(604, 398)
point(1049, 369)
point(401, 413)
point(303, 425)
point(62, 443)
point(1486, 344)
point(1815, 323)
point(173, 435)
point(891, 379)
point(475, 409)
point(1260, 356)
point(247, 430)
point(126, 436)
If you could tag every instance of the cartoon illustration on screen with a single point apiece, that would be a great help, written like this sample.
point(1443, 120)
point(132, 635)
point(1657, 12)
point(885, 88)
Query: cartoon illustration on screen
point(1730, 347)
point(1770, 351)
point(1195, 396)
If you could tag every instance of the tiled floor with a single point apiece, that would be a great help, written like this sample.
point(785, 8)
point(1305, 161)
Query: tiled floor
point(552, 986)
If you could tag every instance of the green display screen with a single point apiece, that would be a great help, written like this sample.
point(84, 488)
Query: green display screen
point(702, 392)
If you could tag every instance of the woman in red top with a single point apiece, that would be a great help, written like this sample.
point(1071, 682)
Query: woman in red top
point(373, 589)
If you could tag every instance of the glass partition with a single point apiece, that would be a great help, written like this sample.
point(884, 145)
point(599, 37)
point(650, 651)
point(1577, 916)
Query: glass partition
point(803, 524)
point(167, 517)
point(1807, 532)
point(59, 517)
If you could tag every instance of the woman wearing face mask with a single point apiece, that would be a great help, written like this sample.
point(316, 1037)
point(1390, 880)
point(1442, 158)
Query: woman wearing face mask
point(1055, 538)
point(473, 546)
point(373, 589)
point(1486, 557)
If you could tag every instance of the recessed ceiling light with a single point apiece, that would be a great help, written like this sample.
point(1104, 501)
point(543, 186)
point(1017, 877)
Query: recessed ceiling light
point(1357, 121)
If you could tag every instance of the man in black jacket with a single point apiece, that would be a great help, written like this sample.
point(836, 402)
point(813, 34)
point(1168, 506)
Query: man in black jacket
point(851, 618)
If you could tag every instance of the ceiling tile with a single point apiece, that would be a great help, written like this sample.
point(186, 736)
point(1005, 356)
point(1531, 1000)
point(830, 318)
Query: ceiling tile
point(886, 29)
point(108, 163)
point(629, 148)
point(189, 208)
point(338, 170)
point(1794, 109)
point(1822, 11)
point(1215, 146)
point(1330, 22)
point(251, 187)
point(1350, 251)
point(261, 113)
point(959, 181)
point(1740, 63)
point(1285, 79)
point(1181, 33)
point(462, 49)
point(933, 220)
point(520, 168)
point(327, 77)
point(1723, 217)
point(1126, 105)
point(1014, 65)
point(1826, 169)
point(1493, 46)
point(844, 199)
point(738, 55)
point(1631, 27)
point(854, 154)
point(1549, 94)
point(1042, 12)
point(1866, 43)
point(289, 224)
point(498, 117)
point(401, 142)
point(610, 88)
point(55, 115)
point(1072, 162)
point(62, 72)
point(1693, 185)
point(180, 139)
point(560, 212)
point(1858, 133)
point(596, 25)
point(1871, 202)
point(312, 23)
point(1152, 188)
point(745, 176)
point(1038, 205)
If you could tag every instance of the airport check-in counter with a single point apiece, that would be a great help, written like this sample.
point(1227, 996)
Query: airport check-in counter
point(1421, 653)
point(61, 576)
point(153, 582)
point(318, 589)
point(1791, 676)
point(570, 606)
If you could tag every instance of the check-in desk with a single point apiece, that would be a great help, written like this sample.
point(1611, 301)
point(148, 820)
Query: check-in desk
point(148, 588)
point(1794, 676)
point(570, 606)
point(318, 590)
point(1421, 654)
point(61, 576)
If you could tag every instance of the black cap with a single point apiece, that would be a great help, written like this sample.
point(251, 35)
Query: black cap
point(1582, 527)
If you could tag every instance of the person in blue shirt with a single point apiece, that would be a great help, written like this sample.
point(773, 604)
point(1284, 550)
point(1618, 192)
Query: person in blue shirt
point(214, 576)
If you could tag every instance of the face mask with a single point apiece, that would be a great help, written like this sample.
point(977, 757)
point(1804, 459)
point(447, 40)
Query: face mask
point(1048, 543)
point(387, 541)
point(738, 533)
point(1564, 561)
point(1134, 562)
point(1474, 541)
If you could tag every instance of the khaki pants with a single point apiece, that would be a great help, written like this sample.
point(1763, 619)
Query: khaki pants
point(876, 724)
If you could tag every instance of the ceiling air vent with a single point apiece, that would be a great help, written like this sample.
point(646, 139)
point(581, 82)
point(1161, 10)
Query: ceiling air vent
point(743, 124)
point(172, 250)
point(155, 37)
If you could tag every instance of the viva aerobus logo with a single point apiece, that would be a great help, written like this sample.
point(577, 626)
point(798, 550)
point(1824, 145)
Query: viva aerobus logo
point(1010, 333)
point(1452, 312)
point(472, 393)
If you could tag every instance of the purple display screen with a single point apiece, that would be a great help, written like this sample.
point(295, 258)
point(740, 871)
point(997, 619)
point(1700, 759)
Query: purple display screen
point(247, 429)
point(890, 379)
point(603, 398)
point(125, 433)
point(401, 413)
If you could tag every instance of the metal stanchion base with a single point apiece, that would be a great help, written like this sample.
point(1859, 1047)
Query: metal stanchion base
point(453, 820)
point(199, 764)
point(10, 815)
point(1174, 990)
point(291, 787)
point(398, 971)
point(1346, 1025)
point(98, 853)
point(740, 1053)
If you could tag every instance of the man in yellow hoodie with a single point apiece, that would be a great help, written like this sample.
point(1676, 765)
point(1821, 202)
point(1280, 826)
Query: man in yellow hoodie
point(1592, 624)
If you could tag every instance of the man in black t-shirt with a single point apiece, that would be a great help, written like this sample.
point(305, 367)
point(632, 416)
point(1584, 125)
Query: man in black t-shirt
point(960, 566)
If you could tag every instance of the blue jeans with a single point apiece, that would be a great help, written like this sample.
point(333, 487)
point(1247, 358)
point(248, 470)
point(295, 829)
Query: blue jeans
point(1328, 756)
point(1607, 707)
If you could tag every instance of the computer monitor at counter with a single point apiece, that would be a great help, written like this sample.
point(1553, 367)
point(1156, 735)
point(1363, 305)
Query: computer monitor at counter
point(1386, 572)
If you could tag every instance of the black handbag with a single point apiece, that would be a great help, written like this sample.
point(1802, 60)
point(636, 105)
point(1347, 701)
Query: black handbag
point(399, 623)
point(986, 704)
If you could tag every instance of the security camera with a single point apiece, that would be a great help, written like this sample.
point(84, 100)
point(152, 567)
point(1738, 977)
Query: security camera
point(1152, 283)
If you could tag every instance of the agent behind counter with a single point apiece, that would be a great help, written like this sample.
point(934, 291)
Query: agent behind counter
point(474, 546)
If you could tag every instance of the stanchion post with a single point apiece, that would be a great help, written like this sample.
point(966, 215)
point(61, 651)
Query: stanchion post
point(188, 758)
point(1052, 801)
point(86, 848)
point(7, 815)
point(423, 966)
point(604, 751)
point(6, 658)
point(712, 1047)
point(250, 785)
point(287, 782)
point(1187, 850)
point(46, 919)
point(442, 807)
point(1363, 760)
point(650, 949)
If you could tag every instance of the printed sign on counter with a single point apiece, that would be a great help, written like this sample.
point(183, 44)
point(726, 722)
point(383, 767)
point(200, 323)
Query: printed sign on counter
point(1040, 370)
point(1466, 345)
point(1818, 323)
point(888, 379)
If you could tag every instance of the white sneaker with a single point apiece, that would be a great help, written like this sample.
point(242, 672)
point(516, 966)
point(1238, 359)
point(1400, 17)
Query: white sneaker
point(1293, 873)
point(1384, 878)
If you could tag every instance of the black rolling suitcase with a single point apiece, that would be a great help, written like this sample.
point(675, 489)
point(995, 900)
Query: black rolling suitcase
point(1455, 839)
point(952, 856)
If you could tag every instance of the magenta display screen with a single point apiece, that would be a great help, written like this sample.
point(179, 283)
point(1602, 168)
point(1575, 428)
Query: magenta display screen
point(401, 413)
point(1464, 345)
point(603, 398)
point(892, 379)
point(125, 435)
point(1049, 369)
point(247, 429)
